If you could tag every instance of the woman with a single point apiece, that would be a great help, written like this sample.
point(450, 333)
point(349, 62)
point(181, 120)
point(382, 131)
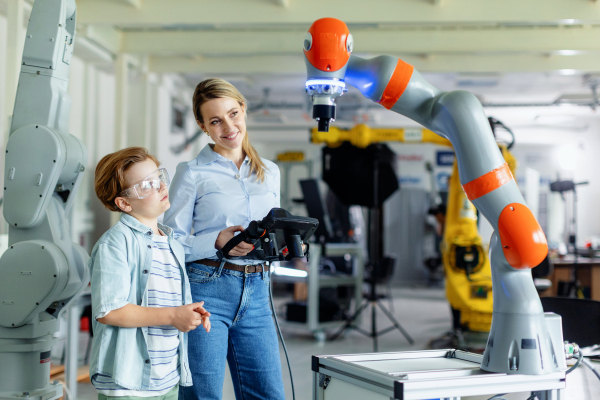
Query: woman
point(218, 194)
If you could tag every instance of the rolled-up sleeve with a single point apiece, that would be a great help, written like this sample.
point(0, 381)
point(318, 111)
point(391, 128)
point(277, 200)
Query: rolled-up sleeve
point(179, 217)
point(111, 279)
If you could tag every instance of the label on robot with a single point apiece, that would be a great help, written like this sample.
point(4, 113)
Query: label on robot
point(44, 357)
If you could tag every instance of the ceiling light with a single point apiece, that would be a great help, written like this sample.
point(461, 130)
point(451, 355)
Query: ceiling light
point(567, 71)
point(567, 52)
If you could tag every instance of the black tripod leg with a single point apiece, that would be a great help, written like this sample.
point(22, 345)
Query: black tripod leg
point(349, 322)
point(396, 324)
point(374, 326)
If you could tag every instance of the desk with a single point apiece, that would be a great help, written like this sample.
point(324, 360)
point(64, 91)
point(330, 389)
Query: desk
point(587, 271)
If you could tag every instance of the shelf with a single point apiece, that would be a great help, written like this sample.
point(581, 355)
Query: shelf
point(315, 281)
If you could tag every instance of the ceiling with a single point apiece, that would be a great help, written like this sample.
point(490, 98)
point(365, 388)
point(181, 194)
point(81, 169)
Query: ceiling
point(265, 36)
point(507, 52)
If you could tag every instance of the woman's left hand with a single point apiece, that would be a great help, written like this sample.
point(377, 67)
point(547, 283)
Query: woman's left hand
point(226, 235)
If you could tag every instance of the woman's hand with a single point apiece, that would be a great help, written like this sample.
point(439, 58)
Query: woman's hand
point(226, 235)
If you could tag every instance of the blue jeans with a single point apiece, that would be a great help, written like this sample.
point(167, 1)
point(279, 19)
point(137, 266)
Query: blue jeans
point(242, 332)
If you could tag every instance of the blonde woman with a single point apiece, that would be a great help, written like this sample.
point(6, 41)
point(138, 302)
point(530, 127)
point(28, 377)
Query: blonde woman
point(217, 194)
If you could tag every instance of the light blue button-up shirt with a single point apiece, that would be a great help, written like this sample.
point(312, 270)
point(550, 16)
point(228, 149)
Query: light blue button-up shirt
point(120, 264)
point(210, 194)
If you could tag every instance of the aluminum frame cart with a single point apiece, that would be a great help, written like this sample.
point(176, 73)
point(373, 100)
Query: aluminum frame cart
point(417, 375)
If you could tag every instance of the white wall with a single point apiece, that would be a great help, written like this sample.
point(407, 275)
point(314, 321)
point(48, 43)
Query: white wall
point(173, 89)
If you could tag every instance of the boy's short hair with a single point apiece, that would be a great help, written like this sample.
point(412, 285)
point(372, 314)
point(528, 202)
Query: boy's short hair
point(109, 180)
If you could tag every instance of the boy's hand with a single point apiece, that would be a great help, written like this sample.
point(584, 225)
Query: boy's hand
point(186, 318)
point(200, 310)
point(205, 314)
point(226, 235)
point(206, 324)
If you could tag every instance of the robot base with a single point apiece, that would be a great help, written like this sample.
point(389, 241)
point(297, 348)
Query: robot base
point(25, 367)
point(526, 344)
point(52, 392)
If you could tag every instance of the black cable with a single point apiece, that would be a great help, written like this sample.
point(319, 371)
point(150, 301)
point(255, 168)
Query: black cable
point(279, 333)
point(494, 123)
point(498, 397)
point(579, 358)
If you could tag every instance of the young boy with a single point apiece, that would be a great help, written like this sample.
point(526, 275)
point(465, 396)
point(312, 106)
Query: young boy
point(141, 298)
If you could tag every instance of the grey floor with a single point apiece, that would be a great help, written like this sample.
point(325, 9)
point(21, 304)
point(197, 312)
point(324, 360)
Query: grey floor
point(422, 312)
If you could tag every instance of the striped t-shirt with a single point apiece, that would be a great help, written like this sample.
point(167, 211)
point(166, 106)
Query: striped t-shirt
point(164, 290)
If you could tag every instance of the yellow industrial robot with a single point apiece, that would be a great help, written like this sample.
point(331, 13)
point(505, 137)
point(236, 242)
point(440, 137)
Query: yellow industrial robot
point(466, 264)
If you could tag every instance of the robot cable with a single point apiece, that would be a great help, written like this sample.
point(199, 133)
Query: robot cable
point(579, 358)
point(498, 397)
point(588, 364)
point(280, 336)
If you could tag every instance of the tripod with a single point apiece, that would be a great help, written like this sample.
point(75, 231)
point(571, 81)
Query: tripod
point(572, 288)
point(374, 254)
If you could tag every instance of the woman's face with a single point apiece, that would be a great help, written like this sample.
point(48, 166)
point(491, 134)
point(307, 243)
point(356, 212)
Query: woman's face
point(224, 120)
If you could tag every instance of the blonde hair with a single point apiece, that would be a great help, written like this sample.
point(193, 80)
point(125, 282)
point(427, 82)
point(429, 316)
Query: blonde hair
point(215, 88)
point(109, 181)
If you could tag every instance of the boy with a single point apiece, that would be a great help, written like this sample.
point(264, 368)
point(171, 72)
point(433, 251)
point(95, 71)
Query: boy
point(141, 300)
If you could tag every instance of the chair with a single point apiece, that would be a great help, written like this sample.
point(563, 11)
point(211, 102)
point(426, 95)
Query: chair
point(580, 318)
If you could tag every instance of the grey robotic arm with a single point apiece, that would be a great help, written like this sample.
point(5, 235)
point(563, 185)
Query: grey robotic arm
point(43, 270)
point(520, 340)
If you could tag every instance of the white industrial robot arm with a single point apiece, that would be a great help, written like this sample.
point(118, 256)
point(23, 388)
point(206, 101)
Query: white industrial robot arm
point(42, 271)
point(519, 341)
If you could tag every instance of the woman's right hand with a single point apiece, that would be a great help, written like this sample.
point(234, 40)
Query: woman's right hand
point(226, 235)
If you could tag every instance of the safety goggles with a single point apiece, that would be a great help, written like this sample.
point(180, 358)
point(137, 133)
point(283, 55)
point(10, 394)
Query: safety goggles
point(149, 185)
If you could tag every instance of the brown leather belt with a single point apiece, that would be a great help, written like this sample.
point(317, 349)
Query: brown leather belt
point(247, 269)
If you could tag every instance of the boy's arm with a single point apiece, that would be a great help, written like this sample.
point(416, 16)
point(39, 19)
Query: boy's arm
point(111, 285)
point(185, 318)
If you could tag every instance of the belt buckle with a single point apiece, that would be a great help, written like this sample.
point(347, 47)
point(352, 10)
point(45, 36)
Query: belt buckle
point(246, 269)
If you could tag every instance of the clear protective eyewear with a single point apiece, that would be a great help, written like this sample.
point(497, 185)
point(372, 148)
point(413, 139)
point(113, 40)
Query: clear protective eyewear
point(149, 185)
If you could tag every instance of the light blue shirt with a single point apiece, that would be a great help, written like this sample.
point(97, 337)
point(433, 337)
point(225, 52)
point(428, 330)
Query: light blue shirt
point(210, 194)
point(120, 265)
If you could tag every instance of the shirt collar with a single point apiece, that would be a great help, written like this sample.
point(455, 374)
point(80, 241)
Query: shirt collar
point(134, 224)
point(208, 155)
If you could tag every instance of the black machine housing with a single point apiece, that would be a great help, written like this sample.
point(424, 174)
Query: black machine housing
point(277, 237)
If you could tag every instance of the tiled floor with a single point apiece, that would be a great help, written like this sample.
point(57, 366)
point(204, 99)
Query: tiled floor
point(422, 312)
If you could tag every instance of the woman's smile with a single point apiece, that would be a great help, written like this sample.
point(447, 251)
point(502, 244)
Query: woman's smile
point(231, 136)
